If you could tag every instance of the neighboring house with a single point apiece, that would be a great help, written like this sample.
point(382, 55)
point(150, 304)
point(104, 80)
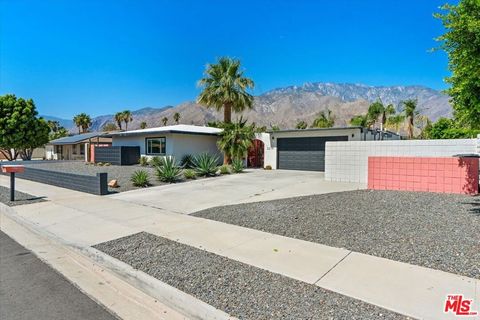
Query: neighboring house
point(75, 147)
point(176, 140)
point(305, 149)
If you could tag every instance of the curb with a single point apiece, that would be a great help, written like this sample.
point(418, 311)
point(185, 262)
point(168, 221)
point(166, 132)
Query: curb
point(170, 296)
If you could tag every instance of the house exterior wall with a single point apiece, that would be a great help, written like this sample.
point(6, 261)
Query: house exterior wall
point(353, 134)
point(348, 161)
point(177, 145)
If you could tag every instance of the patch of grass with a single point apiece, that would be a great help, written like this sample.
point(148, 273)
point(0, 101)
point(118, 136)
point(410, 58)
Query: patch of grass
point(189, 174)
point(237, 165)
point(140, 178)
point(168, 171)
point(205, 164)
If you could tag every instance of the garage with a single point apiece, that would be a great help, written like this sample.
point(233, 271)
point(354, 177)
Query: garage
point(304, 153)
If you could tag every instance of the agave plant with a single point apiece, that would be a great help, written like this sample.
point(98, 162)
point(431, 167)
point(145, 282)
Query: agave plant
point(205, 164)
point(187, 161)
point(168, 171)
point(140, 178)
point(237, 165)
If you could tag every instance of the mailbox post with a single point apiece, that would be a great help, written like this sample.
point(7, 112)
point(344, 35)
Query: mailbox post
point(12, 169)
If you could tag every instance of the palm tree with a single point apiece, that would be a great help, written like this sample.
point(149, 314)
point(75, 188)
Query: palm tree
point(127, 117)
point(378, 110)
point(109, 126)
point(361, 120)
point(225, 87)
point(301, 125)
point(164, 120)
point(235, 139)
point(143, 125)
point(394, 121)
point(176, 117)
point(83, 122)
point(119, 119)
point(410, 110)
point(325, 119)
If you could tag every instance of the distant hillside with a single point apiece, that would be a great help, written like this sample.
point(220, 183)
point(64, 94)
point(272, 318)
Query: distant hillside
point(286, 106)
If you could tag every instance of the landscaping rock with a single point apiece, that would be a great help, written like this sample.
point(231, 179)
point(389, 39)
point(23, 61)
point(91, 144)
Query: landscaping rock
point(113, 184)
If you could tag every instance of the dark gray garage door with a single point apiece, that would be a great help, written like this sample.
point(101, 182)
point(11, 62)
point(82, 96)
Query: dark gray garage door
point(303, 153)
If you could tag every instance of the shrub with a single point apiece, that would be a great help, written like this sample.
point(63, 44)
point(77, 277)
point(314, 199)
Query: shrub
point(143, 161)
point(100, 164)
point(168, 171)
point(205, 164)
point(237, 165)
point(225, 169)
point(189, 174)
point(187, 161)
point(107, 164)
point(140, 178)
point(156, 161)
point(268, 167)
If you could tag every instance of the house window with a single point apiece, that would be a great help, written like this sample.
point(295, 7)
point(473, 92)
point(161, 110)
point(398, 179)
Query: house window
point(74, 149)
point(155, 146)
point(82, 149)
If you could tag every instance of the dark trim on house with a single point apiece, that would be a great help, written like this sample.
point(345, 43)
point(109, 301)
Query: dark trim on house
point(155, 154)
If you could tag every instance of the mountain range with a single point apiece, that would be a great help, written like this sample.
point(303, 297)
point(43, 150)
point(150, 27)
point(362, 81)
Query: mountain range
point(284, 107)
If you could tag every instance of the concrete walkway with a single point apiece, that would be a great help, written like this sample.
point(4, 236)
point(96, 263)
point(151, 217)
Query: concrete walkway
point(250, 186)
point(83, 220)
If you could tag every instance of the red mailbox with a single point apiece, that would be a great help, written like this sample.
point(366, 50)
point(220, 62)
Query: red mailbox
point(12, 169)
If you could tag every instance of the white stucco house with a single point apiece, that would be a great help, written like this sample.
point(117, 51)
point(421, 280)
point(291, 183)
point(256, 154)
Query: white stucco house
point(176, 140)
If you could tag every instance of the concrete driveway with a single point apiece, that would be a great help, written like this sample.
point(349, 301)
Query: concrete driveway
point(250, 186)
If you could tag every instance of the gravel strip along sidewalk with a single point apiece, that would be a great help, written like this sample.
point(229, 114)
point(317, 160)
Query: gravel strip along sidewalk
point(439, 231)
point(20, 197)
point(240, 290)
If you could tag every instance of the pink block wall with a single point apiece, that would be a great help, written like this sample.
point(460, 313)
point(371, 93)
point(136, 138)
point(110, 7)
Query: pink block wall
point(447, 175)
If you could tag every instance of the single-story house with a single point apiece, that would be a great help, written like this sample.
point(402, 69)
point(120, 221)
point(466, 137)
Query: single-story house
point(305, 149)
point(176, 140)
point(76, 147)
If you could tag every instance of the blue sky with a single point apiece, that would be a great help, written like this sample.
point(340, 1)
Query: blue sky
point(104, 56)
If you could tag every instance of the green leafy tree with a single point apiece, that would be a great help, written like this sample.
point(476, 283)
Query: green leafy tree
point(445, 128)
point(83, 122)
point(461, 42)
point(127, 117)
point(109, 126)
point(395, 121)
point(21, 130)
point(410, 111)
point(225, 87)
point(164, 121)
point(235, 140)
point(377, 111)
point(143, 125)
point(176, 117)
point(301, 125)
point(119, 119)
point(325, 119)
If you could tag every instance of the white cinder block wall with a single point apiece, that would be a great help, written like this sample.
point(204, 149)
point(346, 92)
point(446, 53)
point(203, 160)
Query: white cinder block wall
point(348, 160)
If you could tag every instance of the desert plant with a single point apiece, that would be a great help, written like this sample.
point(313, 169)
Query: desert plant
point(205, 164)
point(237, 165)
point(187, 161)
point(189, 174)
point(155, 161)
point(140, 178)
point(143, 161)
point(235, 139)
point(168, 171)
point(225, 169)
point(107, 164)
point(268, 167)
point(100, 164)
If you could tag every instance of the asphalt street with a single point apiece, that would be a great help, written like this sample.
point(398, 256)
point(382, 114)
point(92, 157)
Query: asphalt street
point(30, 289)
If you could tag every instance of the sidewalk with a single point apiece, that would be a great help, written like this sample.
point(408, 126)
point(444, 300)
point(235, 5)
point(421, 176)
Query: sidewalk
point(83, 220)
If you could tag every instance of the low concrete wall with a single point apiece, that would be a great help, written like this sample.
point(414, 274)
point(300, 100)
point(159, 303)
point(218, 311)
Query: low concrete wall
point(348, 161)
point(90, 184)
point(445, 175)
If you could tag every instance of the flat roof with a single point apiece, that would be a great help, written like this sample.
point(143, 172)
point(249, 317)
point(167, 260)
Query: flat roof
point(76, 138)
point(179, 128)
point(326, 129)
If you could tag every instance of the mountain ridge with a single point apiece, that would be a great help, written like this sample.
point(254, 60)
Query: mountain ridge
point(285, 106)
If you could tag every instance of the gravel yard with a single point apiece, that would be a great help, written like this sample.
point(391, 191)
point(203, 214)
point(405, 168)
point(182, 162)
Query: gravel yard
point(240, 290)
point(20, 197)
point(439, 231)
point(120, 173)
